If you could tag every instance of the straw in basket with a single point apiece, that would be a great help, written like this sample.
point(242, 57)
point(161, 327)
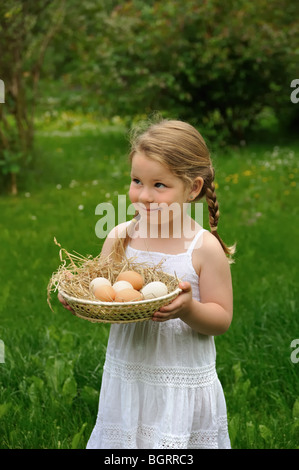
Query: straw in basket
point(72, 280)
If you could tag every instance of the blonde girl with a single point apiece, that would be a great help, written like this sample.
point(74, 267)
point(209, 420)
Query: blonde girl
point(160, 387)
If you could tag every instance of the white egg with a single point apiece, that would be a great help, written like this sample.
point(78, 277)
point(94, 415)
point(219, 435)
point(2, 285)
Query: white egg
point(121, 285)
point(97, 282)
point(154, 289)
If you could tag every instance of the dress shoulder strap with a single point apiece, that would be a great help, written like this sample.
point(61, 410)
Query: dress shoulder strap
point(195, 239)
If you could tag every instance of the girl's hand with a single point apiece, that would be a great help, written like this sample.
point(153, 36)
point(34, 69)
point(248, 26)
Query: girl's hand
point(65, 305)
point(178, 307)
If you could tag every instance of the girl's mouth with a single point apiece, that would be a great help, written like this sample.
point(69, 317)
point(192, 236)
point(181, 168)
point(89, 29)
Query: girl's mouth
point(154, 208)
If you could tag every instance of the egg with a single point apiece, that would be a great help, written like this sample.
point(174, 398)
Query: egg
point(135, 279)
point(120, 285)
point(128, 295)
point(154, 289)
point(97, 282)
point(105, 293)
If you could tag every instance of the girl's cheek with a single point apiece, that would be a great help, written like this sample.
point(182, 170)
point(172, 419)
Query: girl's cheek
point(132, 194)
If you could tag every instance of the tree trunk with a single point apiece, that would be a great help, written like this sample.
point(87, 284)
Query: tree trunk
point(13, 184)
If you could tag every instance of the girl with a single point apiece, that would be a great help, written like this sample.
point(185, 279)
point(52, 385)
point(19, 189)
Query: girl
point(160, 388)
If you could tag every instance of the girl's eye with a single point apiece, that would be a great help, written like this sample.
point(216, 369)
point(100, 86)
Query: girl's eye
point(157, 185)
point(136, 181)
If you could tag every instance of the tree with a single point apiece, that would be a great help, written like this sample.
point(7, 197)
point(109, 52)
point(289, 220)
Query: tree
point(216, 63)
point(26, 29)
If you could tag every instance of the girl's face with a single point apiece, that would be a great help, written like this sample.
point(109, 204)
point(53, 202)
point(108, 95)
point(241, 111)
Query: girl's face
point(154, 188)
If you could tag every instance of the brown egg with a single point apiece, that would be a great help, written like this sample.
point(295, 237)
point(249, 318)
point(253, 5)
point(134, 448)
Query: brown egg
point(132, 277)
point(105, 293)
point(128, 295)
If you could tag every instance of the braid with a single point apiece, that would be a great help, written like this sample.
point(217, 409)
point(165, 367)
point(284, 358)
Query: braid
point(214, 213)
point(213, 206)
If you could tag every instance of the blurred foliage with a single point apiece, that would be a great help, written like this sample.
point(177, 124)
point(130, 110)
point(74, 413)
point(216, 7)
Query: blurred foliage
point(214, 63)
point(222, 66)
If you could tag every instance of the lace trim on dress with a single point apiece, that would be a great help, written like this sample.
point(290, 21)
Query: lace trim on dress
point(157, 375)
point(116, 437)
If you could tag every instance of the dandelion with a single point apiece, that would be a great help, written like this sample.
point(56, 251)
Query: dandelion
point(73, 183)
point(80, 207)
point(234, 178)
point(247, 173)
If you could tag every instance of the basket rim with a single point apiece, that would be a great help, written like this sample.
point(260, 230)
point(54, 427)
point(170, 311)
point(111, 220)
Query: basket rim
point(138, 302)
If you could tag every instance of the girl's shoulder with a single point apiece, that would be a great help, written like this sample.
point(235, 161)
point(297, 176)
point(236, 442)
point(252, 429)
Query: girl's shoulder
point(118, 231)
point(208, 251)
point(208, 242)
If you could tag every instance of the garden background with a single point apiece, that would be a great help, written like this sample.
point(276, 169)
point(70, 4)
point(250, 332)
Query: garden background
point(76, 76)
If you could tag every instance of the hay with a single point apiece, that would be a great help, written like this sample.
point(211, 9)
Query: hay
point(73, 277)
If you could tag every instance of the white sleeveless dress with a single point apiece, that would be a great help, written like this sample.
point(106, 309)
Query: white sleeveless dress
point(160, 389)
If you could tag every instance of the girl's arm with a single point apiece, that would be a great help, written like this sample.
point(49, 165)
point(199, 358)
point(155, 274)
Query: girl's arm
point(213, 314)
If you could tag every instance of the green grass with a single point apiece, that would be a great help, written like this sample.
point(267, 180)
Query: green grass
point(50, 380)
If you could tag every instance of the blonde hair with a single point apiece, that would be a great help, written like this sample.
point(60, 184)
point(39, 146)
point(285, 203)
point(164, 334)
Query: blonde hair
point(182, 149)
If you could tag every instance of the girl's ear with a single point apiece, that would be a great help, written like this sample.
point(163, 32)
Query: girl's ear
point(196, 187)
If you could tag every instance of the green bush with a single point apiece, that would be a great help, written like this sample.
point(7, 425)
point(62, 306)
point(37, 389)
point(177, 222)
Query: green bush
point(216, 64)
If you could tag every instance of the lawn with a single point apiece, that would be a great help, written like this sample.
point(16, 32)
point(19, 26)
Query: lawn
point(51, 370)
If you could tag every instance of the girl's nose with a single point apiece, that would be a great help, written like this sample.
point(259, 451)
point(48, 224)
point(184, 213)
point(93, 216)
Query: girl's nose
point(146, 196)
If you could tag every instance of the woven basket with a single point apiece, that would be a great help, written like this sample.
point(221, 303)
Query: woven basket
point(72, 281)
point(118, 312)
